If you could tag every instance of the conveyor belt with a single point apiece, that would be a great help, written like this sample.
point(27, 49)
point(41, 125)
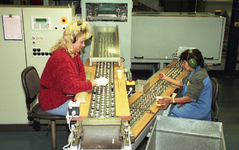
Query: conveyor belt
point(114, 98)
point(103, 97)
point(146, 100)
point(105, 115)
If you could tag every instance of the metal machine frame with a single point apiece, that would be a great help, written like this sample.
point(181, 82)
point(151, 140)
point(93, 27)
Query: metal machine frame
point(122, 19)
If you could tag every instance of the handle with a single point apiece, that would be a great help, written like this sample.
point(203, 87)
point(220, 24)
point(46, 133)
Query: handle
point(139, 57)
point(208, 58)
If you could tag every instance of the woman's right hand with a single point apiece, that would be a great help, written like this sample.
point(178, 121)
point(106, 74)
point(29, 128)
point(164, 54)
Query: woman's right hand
point(162, 76)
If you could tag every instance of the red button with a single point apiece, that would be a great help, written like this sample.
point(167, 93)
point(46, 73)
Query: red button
point(63, 20)
point(130, 80)
point(74, 100)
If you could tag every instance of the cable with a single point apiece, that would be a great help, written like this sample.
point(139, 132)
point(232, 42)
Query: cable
point(70, 137)
point(66, 146)
point(130, 90)
point(123, 59)
point(69, 124)
point(72, 115)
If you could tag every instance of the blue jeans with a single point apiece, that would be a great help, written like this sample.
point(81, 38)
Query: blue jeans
point(61, 110)
point(172, 115)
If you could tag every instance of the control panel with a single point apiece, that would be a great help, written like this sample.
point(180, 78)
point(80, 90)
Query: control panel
point(44, 26)
point(41, 23)
point(40, 27)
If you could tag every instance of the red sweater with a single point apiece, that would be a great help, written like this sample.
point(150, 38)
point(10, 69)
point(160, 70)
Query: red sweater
point(61, 77)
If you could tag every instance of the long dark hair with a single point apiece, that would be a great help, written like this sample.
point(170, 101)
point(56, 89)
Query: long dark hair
point(192, 53)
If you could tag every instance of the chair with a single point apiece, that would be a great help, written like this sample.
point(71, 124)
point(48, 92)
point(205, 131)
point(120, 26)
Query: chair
point(31, 85)
point(215, 90)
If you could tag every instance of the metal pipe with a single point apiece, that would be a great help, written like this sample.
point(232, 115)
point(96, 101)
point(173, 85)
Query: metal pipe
point(53, 135)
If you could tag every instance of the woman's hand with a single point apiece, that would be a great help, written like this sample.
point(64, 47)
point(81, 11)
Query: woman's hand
point(100, 81)
point(93, 83)
point(162, 76)
point(164, 101)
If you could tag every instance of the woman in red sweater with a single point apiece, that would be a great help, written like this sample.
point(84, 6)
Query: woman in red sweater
point(64, 73)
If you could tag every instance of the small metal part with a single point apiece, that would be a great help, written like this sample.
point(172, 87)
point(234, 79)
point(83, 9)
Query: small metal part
point(92, 115)
point(112, 114)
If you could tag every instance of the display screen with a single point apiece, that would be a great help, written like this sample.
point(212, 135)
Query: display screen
point(41, 20)
point(107, 8)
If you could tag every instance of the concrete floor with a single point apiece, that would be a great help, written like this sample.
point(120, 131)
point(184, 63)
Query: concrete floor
point(228, 102)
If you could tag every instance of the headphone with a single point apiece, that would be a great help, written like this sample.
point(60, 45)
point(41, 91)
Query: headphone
point(192, 62)
point(79, 23)
point(74, 40)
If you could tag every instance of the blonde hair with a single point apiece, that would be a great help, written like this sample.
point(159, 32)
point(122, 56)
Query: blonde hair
point(75, 30)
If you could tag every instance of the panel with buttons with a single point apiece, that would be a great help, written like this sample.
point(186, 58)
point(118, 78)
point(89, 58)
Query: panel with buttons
point(36, 36)
point(37, 52)
point(43, 28)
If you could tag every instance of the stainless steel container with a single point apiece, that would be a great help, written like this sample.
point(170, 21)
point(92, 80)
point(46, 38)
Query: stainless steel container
point(105, 45)
point(170, 133)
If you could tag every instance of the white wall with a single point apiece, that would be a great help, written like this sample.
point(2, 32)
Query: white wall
point(12, 62)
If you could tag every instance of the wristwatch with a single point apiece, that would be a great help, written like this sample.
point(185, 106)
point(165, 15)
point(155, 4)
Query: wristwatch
point(173, 100)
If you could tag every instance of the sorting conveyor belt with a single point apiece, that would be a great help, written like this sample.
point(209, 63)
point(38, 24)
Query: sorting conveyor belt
point(146, 100)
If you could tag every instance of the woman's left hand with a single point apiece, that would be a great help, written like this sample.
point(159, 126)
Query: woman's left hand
point(164, 100)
